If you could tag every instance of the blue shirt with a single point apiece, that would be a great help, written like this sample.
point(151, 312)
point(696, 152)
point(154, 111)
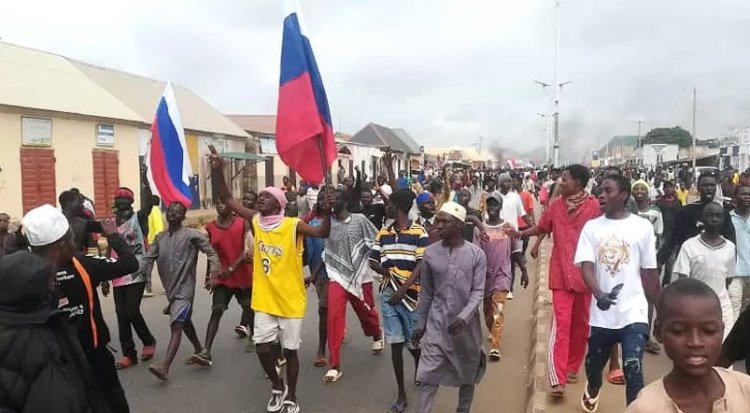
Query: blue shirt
point(742, 230)
point(314, 248)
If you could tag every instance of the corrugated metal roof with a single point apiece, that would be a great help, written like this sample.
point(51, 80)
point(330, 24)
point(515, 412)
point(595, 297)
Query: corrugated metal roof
point(34, 79)
point(42, 80)
point(265, 124)
point(378, 135)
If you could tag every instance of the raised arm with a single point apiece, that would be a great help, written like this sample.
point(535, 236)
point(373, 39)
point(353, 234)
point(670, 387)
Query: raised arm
point(217, 176)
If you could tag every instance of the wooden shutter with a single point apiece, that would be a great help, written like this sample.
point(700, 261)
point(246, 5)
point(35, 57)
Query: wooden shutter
point(38, 177)
point(106, 180)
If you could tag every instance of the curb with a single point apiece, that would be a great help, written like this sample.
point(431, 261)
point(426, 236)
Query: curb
point(541, 322)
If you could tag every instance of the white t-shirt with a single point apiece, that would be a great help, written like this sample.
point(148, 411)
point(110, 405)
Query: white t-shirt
point(512, 208)
point(712, 265)
point(619, 248)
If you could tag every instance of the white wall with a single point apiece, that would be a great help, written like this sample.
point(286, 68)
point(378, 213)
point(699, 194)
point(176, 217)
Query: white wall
point(650, 153)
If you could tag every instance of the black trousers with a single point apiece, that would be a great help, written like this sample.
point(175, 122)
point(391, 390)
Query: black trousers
point(128, 307)
point(102, 365)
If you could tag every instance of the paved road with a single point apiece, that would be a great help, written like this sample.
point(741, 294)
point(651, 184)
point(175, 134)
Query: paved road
point(236, 382)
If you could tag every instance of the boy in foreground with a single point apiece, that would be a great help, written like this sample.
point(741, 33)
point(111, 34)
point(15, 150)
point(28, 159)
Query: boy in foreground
point(689, 325)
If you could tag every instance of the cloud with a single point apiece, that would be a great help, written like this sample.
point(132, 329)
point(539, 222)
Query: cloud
point(446, 71)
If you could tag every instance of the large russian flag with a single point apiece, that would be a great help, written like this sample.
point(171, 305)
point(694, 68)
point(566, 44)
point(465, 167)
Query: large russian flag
point(168, 163)
point(303, 120)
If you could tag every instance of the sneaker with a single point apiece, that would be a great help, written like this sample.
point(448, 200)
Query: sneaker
point(510, 295)
point(242, 331)
point(290, 406)
point(277, 400)
point(494, 355)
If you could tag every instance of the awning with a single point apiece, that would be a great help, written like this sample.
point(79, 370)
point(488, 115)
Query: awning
point(243, 156)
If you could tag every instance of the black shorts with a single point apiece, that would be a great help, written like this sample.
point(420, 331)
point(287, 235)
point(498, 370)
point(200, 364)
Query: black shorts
point(737, 345)
point(222, 295)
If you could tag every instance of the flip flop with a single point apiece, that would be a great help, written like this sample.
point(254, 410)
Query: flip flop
point(588, 403)
point(320, 361)
point(398, 407)
point(616, 377)
point(332, 375)
point(159, 373)
point(379, 345)
point(557, 391)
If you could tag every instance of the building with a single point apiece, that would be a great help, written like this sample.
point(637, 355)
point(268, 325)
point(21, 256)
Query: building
point(66, 123)
point(409, 155)
point(465, 155)
point(270, 170)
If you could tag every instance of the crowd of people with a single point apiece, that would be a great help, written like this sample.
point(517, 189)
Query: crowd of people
point(633, 265)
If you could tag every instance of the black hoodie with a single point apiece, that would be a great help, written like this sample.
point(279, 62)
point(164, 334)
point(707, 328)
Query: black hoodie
point(41, 363)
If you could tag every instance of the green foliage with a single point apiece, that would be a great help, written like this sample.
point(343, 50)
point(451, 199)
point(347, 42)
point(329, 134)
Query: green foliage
point(669, 136)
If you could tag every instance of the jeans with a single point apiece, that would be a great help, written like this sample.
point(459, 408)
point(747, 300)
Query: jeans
point(632, 338)
point(128, 308)
point(398, 321)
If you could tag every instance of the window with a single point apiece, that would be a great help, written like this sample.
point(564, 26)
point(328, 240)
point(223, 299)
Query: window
point(105, 135)
point(36, 132)
point(268, 146)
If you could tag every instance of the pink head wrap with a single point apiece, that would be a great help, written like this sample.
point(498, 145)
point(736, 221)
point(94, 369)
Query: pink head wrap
point(278, 194)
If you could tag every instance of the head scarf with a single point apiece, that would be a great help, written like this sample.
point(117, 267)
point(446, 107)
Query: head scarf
point(268, 222)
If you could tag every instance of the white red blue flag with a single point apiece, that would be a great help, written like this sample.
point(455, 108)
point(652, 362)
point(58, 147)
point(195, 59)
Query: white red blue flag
point(303, 120)
point(168, 162)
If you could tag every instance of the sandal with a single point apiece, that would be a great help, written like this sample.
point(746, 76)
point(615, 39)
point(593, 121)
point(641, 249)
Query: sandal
point(125, 362)
point(202, 358)
point(159, 373)
point(398, 407)
point(320, 361)
point(378, 345)
point(332, 375)
point(616, 377)
point(557, 391)
point(588, 403)
point(571, 378)
point(148, 352)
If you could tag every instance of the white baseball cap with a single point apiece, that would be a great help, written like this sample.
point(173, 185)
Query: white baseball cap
point(44, 225)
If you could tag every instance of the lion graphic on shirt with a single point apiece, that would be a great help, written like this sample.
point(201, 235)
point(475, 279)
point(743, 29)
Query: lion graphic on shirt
point(613, 252)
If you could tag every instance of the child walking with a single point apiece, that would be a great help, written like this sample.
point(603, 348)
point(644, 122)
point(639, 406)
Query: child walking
point(500, 249)
point(175, 252)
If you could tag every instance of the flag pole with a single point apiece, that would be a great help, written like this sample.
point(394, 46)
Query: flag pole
point(326, 174)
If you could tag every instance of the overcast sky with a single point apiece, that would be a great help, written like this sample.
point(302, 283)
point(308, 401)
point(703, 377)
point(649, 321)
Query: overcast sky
point(447, 71)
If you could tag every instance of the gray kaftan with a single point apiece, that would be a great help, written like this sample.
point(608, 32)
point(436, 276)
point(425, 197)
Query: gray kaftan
point(452, 288)
point(176, 256)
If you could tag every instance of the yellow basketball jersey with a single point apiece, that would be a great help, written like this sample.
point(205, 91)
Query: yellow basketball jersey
point(278, 281)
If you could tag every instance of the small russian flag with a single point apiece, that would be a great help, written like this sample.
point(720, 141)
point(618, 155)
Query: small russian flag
point(168, 163)
point(304, 135)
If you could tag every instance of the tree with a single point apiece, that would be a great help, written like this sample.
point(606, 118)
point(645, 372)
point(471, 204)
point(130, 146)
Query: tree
point(669, 136)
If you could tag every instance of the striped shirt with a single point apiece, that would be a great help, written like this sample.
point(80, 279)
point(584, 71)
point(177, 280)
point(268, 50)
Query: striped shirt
point(398, 252)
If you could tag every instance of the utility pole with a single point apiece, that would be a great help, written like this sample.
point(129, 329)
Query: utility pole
point(640, 122)
point(695, 94)
point(558, 86)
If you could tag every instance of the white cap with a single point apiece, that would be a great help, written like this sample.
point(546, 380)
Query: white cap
point(44, 225)
point(454, 209)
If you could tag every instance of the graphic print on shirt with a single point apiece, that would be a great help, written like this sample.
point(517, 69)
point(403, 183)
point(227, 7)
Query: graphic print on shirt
point(612, 252)
point(268, 249)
